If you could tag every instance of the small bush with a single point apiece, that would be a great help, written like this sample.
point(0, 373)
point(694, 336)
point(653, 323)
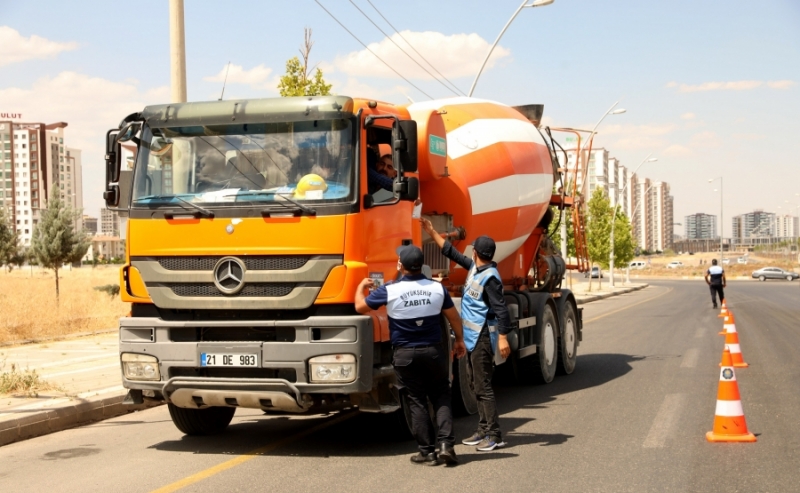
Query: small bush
point(26, 382)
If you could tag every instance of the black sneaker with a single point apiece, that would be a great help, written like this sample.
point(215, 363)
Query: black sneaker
point(714, 307)
point(473, 440)
point(488, 444)
point(423, 459)
point(447, 455)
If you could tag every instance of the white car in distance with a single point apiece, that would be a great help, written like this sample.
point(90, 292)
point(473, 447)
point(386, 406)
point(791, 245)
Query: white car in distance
point(674, 264)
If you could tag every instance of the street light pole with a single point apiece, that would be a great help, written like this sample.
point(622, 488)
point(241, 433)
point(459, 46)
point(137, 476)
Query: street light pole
point(177, 51)
point(721, 255)
point(612, 253)
point(536, 3)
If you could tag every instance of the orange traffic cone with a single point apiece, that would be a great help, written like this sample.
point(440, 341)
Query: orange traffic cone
point(729, 422)
point(732, 344)
point(724, 310)
point(729, 324)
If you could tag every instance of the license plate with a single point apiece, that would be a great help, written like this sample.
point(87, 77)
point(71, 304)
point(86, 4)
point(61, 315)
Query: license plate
point(225, 359)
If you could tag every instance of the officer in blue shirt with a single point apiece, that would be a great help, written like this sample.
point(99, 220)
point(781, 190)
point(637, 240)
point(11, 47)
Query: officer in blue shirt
point(486, 326)
point(421, 361)
point(715, 278)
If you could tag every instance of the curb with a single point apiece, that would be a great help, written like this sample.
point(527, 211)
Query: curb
point(81, 412)
point(596, 297)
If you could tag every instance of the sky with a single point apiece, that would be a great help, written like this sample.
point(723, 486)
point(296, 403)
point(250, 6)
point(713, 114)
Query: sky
point(711, 88)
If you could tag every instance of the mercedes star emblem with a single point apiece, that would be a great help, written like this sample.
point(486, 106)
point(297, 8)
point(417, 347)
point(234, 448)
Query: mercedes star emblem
point(229, 275)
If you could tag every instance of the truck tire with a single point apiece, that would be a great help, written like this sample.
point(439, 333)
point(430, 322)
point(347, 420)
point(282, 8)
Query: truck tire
point(547, 352)
point(568, 340)
point(465, 402)
point(205, 421)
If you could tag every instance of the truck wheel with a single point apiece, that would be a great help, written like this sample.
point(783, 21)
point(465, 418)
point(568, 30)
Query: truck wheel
point(762, 278)
point(569, 340)
point(464, 400)
point(205, 421)
point(547, 351)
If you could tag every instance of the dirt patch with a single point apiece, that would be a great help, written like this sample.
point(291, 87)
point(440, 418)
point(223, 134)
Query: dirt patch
point(29, 308)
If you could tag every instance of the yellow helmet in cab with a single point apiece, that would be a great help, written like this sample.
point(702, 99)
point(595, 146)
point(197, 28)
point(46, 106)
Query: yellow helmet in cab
point(311, 187)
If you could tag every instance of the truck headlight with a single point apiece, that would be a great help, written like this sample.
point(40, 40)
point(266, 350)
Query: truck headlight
point(140, 367)
point(332, 368)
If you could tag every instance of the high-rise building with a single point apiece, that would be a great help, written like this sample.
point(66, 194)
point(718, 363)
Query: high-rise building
point(756, 224)
point(787, 226)
point(641, 213)
point(109, 223)
point(700, 226)
point(34, 165)
point(89, 225)
point(660, 218)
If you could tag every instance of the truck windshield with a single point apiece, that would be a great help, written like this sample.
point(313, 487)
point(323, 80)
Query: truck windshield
point(235, 165)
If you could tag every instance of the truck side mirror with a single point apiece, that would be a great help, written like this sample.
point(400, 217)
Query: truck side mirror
point(404, 146)
point(111, 195)
point(408, 189)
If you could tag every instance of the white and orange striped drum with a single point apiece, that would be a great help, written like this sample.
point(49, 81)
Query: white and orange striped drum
point(499, 175)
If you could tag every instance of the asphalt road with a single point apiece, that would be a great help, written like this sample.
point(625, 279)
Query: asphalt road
point(633, 417)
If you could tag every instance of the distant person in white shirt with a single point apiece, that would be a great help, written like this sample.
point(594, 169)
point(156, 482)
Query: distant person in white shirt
point(715, 278)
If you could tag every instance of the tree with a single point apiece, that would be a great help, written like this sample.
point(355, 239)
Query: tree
point(9, 245)
point(554, 231)
point(624, 248)
point(55, 241)
point(598, 229)
point(298, 80)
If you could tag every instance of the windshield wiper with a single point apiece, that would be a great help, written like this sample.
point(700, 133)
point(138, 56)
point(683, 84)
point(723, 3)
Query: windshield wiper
point(308, 210)
point(201, 210)
point(304, 208)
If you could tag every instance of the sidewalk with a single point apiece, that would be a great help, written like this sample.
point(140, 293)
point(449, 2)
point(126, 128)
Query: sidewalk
point(88, 373)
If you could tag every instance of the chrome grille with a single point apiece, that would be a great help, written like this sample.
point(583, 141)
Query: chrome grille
point(257, 262)
point(270, 290)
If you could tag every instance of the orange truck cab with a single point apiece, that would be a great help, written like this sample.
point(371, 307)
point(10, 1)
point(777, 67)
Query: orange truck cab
point(250, 223)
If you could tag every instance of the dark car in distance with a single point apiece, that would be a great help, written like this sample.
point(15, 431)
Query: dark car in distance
point(774, 273)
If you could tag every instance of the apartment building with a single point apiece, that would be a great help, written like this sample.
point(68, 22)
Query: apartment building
point(756, 224)
point(35, 163)
point(109, 223)
point(787, 226)
point(700, 226)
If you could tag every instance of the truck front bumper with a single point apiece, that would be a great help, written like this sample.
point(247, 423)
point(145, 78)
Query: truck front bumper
point(285, 361)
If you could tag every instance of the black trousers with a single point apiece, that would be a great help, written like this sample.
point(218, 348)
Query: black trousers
point(479, 371)
point(423, 373)
point(715, 290)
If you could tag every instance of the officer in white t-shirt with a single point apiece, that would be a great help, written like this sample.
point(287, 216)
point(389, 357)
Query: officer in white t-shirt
point(421, 359)
point(715, 278)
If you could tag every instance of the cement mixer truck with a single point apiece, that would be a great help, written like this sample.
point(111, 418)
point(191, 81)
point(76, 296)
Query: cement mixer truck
point(250, 223)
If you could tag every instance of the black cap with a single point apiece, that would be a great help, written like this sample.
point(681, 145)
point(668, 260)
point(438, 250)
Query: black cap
point(411, 257)
point(485, 247)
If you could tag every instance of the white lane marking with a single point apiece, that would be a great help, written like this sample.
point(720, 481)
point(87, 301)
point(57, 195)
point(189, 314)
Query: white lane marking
point(665, 421)
point(510, 192)
point(82, 370)
point(699, 333)
point(67, 350)
point(485, 132)
point(65, 362)
point(690, 358)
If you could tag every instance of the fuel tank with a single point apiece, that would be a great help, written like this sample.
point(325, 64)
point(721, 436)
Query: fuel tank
point(485, 164)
